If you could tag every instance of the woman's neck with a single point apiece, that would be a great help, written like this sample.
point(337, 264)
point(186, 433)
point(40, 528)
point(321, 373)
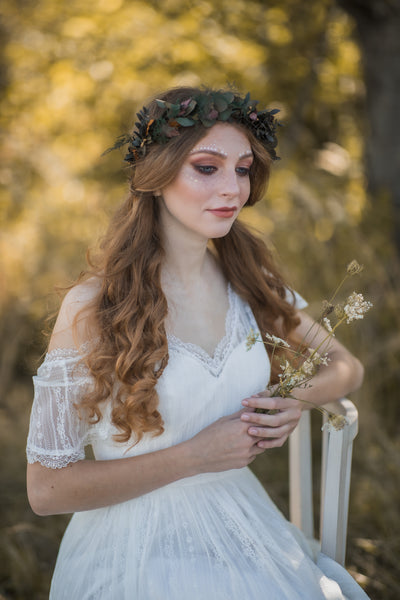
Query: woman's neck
point(186, 257)
point(186, 260)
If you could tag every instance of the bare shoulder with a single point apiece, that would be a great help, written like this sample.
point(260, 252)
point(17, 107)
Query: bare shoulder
point(75, 322)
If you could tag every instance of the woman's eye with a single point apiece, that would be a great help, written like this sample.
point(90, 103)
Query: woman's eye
point(243, 171)
point(205, 169)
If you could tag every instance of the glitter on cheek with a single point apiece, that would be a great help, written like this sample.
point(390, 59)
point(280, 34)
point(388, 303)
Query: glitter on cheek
point(188, 174)
point(195, 179)
point(199, 182)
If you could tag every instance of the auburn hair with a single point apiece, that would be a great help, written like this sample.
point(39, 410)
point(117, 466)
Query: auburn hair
point(130, 308)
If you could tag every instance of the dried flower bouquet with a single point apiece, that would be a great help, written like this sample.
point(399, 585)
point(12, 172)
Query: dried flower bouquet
point(298, 366)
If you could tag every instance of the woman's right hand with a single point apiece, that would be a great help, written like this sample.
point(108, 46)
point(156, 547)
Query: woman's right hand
point(223, 445)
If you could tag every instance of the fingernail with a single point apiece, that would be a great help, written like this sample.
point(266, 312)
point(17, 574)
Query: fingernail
point(245, 417)
point(253, 431)
point(245, 403)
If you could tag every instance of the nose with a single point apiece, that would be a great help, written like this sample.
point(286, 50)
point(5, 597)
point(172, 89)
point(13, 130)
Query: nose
point(230, 184)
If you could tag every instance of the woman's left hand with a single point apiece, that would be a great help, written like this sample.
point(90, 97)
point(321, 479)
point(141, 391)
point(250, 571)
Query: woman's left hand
point(272, 429)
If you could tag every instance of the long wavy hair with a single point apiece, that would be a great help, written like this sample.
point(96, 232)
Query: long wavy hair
point(130, 307)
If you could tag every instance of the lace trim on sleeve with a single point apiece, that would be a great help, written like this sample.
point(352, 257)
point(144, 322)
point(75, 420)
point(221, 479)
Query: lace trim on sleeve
point(60, 353)
point(68, 353)
point(53, 462)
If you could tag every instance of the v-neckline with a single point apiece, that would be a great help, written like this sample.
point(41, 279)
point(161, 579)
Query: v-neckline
point(215, 362)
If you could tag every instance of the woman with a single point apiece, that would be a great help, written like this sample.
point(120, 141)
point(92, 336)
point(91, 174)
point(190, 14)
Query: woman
point(148, 364)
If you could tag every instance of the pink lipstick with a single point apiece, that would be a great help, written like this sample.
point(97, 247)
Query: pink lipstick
point(226, 212)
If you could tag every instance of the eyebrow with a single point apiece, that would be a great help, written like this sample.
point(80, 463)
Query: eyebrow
point(221, 154)
point(247, 155)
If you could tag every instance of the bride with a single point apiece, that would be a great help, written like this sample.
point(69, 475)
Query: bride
point(148, 364)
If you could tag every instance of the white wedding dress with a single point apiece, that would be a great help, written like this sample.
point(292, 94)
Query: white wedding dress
point(214, 536)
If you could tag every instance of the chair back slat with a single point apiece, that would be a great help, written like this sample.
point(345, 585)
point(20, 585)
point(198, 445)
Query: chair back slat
point(300, 476)
point(335, 479)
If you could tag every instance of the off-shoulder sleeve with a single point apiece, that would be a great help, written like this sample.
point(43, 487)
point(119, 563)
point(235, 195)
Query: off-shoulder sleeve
point(57, 436)
point(295, 299)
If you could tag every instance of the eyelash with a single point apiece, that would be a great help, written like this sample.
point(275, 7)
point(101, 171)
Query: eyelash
point(210, 170)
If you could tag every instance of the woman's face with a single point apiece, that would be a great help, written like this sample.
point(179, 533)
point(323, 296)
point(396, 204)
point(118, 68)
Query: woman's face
point(212, 185)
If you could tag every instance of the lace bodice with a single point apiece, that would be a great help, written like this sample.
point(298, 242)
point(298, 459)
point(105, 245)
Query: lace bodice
point(238, 321)
point(194, 390)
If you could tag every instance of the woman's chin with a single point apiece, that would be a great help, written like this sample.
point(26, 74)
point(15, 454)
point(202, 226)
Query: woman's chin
point(221, 230)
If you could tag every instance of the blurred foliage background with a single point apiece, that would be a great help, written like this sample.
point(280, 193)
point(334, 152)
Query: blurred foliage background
point(73, 74)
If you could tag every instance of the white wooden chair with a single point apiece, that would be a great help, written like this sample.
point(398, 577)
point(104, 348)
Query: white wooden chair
point(337, 449)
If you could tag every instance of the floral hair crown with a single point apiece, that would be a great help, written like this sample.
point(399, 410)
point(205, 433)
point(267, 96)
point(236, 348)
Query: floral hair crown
point(204, 109)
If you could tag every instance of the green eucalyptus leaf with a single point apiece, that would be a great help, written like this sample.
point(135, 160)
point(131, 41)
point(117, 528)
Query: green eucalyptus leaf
point(224, 115)
point(220, 104)
point(184, 121)
point(228, 97)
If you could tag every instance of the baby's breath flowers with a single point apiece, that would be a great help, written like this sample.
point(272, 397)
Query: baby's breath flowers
point(299, 366)
point(277, 340)
point(327, 325)
point(251, 339)
point(356, 307)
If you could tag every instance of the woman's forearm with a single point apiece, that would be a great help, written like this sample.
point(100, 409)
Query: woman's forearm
point(344, 374)
point(90, 484)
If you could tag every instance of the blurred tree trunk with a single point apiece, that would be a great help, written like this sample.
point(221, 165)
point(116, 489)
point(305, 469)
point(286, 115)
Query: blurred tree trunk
point(378, 27)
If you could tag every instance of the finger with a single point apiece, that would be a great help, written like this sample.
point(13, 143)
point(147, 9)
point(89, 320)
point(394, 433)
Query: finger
point(263, 394)
point(238, 413)
point(272, 443)
point(271, 402)
point(257, 449)
point(272, 432)
point(275, 420)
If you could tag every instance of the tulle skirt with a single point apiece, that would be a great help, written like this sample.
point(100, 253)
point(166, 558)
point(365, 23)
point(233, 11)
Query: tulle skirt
point(209, 537)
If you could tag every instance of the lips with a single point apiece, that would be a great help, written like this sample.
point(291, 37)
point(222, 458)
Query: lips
point(225, 211)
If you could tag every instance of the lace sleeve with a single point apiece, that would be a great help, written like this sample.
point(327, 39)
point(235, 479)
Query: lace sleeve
point(298, 301)
point(57, 436)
